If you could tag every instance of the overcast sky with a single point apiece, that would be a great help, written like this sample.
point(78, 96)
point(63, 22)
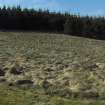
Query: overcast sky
point(83, 7)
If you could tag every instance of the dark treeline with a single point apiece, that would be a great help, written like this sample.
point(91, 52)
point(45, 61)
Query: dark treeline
point(16, 18)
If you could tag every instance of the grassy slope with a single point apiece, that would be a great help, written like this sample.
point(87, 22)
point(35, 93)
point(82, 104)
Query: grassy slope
point(16, 96)
point(71, 59)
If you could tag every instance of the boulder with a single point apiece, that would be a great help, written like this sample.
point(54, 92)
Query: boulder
point(17, 70)
point(48, 69)
point(46, 84)
point(2, 80)
point(101, 65)
point(2, 72)
point(24, 82)
point(90, 94)
point(10, 84)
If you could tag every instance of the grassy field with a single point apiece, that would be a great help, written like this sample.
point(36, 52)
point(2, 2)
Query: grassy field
point(51, 69)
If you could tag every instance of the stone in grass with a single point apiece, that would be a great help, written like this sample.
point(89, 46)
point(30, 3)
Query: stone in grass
point(2, 80)
point(10, 84)
point(24, 82)
point(90, 94)
point(46, 84)
point(17, 70)
point(2, 72)
point(49, 69)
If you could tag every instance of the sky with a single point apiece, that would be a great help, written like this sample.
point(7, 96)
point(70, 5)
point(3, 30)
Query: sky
point(82, 7)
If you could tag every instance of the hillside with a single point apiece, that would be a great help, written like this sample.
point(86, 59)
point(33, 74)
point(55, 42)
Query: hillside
point(50, 65)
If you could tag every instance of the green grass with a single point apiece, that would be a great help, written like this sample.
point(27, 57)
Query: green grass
point(17, 96)
point(73, 66)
